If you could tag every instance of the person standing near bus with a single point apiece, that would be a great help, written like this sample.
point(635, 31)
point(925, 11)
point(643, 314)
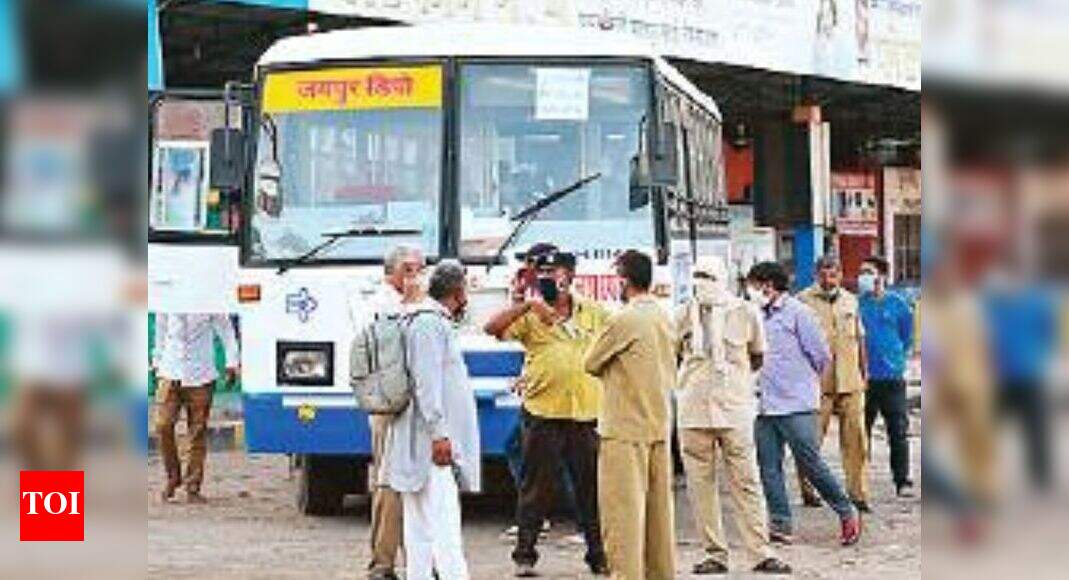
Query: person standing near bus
point(434, 443)
point(400, 292)
point(843, 387)
point(796, 359)
point(184, 361)
point(722, 342)
point(889, 319)
point(560, 404)
point(635, 357)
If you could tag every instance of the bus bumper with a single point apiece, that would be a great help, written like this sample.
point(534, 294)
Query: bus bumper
point(329, 425)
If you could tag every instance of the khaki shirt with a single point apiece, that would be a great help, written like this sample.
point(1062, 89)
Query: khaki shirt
point(718, 394)
point(841, 321)
point(556, 386)
point(635, 358)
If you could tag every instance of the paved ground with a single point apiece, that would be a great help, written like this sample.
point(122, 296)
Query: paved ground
point(250, 529)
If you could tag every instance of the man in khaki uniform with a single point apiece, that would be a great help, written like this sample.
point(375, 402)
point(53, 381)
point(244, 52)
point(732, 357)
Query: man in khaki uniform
point(722, 342)
point(635, 358)
point(843, 388)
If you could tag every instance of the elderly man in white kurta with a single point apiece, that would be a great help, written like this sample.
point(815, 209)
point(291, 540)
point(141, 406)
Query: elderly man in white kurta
point(434, 443)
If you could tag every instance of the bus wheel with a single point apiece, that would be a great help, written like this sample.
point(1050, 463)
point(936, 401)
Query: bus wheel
point(322, 484)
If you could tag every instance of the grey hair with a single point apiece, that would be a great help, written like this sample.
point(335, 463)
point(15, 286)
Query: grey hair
point(398, 253)
point(448, 277)
point(829, 261)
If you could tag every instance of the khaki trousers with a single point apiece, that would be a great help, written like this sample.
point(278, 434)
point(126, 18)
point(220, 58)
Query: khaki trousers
point(637, 518)
point(853, 443)
point(386, 507)
point(197, 401)
point(702, 451)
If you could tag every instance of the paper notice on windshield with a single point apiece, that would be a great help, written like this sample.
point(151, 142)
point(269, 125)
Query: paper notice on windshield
point(562, 94)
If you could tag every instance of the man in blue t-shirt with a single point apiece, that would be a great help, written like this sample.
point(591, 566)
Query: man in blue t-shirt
point(1022, 323)
point(888, 321)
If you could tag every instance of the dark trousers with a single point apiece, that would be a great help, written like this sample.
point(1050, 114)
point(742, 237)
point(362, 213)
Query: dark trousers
point(547, 444)
point(1026, 402)
point(888, 398)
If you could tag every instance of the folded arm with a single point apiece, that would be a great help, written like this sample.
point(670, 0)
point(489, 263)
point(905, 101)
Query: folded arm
point(611, 342)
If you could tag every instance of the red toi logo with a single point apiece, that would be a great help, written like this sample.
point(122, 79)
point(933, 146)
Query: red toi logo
point(51, 506)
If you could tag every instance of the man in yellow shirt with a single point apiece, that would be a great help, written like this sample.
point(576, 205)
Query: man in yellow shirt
point(635, 357)
point(560, 403)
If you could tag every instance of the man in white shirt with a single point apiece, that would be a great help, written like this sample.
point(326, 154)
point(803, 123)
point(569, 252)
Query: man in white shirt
point(402, 290)
point(184, 360)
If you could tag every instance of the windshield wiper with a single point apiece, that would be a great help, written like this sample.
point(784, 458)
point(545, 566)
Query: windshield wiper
point(333, 237)
point(529, 213)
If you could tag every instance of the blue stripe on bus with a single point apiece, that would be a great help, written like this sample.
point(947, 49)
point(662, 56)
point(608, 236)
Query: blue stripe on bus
point(272, 428)
point(494, 363)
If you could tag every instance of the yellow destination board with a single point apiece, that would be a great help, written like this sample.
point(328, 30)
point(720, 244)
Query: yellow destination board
point(339, 89)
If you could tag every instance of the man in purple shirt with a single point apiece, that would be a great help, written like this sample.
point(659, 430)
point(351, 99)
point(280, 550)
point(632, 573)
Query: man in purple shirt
point(796, 357)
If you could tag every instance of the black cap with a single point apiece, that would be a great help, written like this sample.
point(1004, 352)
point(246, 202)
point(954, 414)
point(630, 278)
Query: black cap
point(538, 250)
point(554, 259)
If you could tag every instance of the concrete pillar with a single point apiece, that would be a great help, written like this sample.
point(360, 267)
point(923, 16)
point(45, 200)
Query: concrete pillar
point(792, 175)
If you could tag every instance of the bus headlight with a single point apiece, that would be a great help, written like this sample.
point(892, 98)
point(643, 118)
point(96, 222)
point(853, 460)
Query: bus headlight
point(305, 363)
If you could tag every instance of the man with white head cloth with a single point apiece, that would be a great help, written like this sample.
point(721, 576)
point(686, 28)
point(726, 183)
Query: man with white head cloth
point(721, 343)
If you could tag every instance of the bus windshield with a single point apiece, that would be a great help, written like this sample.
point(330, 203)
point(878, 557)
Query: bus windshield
point(346, 148)
point(527, 130)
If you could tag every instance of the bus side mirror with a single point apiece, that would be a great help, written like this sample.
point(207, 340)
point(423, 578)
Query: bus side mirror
point(639, 191)
point(664, 166)
point(227, 165)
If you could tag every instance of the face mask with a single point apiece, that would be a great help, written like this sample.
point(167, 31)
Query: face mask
point(414, 286)
point(706, 290)
point(755, 295)
point(460, 315)
point(547, 287)
point(866, 283)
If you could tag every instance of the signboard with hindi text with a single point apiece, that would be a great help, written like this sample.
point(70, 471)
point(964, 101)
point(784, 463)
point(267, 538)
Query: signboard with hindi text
point(874, 42)
point(354, 88)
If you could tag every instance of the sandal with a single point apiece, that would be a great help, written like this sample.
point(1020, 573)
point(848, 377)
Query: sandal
point(709, 566)
point(772, 566)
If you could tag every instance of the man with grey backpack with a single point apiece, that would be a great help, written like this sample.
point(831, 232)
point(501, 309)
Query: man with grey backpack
point(401, 292)
point(433, 449)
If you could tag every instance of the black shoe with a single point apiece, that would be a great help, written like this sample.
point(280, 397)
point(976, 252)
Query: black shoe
point(904, 490)
point(863, 507)
point(709, 566)
point(772, 566)
point(599, 568)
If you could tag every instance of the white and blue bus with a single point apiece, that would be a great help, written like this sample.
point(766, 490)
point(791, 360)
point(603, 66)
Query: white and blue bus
point(467, 141)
